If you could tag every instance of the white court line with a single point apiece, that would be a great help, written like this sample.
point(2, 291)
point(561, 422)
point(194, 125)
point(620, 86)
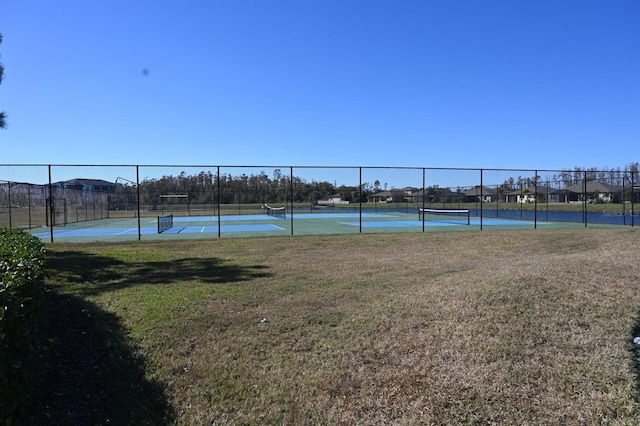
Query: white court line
point(128, 231)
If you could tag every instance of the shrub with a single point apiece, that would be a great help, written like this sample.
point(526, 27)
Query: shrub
point(21, 301)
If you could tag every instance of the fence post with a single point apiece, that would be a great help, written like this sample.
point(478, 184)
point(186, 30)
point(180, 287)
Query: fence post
point(291, 195)
point(521, 200)
point(51, 212)
point(623, 198)
point(360, 198)
point(584, 198)
point(424, 195)
point(633, 193)
point(138, 200)
point(535, 201)
point(218, 202)
point(29, 203)
point(481, 197)
point(9, 201)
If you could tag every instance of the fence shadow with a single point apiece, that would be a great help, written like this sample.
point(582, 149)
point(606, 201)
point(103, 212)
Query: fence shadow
point(94, 274)
point(89, 373)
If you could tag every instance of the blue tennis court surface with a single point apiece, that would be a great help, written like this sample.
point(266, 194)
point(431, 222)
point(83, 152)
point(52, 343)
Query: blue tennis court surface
point(262, 224)
point(247, 217)
point(105, 232)
point(340, 215)
point(224, 228)
point(239, 217)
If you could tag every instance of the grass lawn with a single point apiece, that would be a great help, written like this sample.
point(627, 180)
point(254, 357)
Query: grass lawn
point(491, 327)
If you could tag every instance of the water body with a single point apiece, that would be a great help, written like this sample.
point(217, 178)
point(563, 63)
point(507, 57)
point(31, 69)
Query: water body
point(612, 217)
point(615, 216)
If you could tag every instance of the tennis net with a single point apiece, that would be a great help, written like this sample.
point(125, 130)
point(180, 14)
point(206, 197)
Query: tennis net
point(459, 216)
point(280, 212)
point(164, 223)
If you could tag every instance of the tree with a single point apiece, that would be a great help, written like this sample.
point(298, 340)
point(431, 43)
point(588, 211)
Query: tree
point(3, 122)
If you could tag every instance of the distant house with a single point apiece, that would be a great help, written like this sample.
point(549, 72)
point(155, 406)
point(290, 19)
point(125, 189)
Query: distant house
point(409, 192)
point(478, 193)
point(80, 184)
point(20, 194)
point(593, 191)
point(394, 195)
point(437, 195)
point(528, 195)
point(334, 199)
point(381, 197)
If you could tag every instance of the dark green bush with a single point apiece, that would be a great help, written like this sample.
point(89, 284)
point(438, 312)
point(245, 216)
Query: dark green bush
point(22, 264)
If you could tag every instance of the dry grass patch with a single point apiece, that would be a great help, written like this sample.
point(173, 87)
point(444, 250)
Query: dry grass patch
point(529, 327)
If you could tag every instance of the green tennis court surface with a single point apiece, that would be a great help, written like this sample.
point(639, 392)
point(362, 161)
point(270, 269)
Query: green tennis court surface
point(262, 224)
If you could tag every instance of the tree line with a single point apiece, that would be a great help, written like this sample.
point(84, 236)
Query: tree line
point(207, 188)
point(610, 176)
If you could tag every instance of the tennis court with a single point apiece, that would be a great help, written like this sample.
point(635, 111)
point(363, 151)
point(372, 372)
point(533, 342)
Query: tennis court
point(317, 223)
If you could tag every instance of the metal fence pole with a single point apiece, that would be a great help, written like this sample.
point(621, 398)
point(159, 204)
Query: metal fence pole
point(291, 195)
point(218, 202)
point(360, 198)
point(624, 202)
point(29, 203)
point(584, 198)
point(633, 193)
point(51, 212)
point(535, 201)
point(9, 201)
point(481, 197)
point(138, 197)
point(424, 195)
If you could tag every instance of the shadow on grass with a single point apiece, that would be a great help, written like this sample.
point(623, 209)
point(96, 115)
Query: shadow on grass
point(635, 354)
point(97, 273)
point(90, 374)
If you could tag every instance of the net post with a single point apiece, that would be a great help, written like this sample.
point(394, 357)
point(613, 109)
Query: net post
point(164, 223)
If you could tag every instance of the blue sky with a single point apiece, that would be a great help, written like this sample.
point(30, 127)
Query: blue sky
point(492, 84)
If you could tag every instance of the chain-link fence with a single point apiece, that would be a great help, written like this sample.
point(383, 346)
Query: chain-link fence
point(52, 197)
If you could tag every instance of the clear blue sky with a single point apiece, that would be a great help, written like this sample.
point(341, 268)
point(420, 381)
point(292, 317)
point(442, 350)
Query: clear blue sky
point(536, 84)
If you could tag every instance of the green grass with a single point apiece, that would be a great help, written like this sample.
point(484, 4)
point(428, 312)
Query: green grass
point(526, 327)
